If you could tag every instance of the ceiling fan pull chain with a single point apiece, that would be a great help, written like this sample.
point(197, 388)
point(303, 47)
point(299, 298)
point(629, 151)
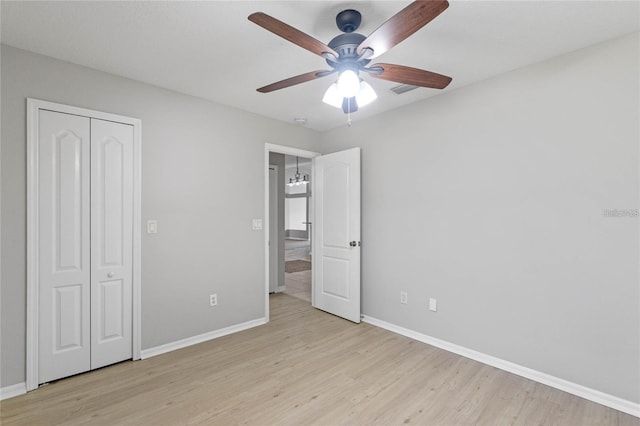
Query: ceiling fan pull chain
point(349, 112)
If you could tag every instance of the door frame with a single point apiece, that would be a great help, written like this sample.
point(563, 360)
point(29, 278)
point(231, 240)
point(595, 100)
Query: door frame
point(273, 244)
point(287, 150)
point(33, 106)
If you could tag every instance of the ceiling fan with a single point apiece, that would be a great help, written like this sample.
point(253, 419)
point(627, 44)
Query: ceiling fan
point(350, 53)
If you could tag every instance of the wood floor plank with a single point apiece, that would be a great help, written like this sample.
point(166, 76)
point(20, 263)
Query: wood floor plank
point(304, 367)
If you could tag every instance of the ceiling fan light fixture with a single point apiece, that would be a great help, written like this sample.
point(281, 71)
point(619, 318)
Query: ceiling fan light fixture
point(348, 83)
point(366, 94)
point(332, 96)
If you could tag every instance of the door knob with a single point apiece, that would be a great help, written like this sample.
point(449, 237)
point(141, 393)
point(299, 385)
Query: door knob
point(353, 244)
point(110, 274)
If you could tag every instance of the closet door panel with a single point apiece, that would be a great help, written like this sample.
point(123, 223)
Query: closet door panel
point(64, 245)
point(111, 241)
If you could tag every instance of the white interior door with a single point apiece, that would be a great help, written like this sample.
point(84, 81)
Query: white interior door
point(85, 245)
point(273, 228)
point(111, 242)
point(336, 251)
point(64, 246)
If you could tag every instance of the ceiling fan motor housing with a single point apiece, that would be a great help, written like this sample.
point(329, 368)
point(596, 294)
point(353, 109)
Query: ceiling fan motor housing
point(346, 46)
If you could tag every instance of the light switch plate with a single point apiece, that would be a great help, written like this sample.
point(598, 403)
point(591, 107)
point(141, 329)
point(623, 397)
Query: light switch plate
point(152, 226)
point(256, 224)
point(433, 304)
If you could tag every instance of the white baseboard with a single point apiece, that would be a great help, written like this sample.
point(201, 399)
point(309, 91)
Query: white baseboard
point(159, 350)
point(611, 401)
point(13, 390)
point(280, 288)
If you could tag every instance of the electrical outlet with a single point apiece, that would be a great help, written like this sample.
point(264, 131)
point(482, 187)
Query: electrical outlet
point(433, 304)
point(213, 299)
point(403, 297)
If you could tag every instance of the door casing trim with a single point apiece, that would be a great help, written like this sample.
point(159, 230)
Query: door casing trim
point(33, 107)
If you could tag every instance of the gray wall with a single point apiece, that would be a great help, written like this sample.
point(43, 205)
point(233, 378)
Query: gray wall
point(277, 159)
point(197, 157)
point(490, 198)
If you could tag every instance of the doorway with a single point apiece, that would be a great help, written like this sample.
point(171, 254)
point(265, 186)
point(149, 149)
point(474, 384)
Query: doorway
point(335, 205)
point(297, 227)
point(290, 225)
point(288, 249)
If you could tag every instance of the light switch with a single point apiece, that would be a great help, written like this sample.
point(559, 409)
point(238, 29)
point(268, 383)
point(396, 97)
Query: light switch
point(256, 224)
point(152, 226)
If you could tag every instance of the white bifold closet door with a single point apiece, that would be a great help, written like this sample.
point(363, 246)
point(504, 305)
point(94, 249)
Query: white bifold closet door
point(111, 242)
point(85, 219)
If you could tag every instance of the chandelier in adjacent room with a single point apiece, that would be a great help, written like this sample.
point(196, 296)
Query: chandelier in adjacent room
point(297, 179)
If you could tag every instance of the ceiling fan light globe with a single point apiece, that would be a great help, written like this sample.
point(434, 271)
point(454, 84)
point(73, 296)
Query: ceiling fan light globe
point(348, 83)
point(366, 94)
point(332, 96)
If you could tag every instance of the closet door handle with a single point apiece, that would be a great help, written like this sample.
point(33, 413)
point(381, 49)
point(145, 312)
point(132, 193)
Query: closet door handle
point(110, 274)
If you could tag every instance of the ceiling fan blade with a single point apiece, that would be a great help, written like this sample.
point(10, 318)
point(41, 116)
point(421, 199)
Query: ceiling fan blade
point(302, 78)
point(294, 35)
point(402, 25)
point(408, 75)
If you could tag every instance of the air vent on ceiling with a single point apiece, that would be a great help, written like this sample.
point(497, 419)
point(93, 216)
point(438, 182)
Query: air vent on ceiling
point(403, 88)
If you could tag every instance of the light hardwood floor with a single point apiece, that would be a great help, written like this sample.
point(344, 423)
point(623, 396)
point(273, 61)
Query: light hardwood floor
point(304, 367)
point(298, 284)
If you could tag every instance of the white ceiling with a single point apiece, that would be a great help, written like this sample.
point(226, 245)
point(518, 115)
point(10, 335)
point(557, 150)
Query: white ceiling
point(209, 49)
